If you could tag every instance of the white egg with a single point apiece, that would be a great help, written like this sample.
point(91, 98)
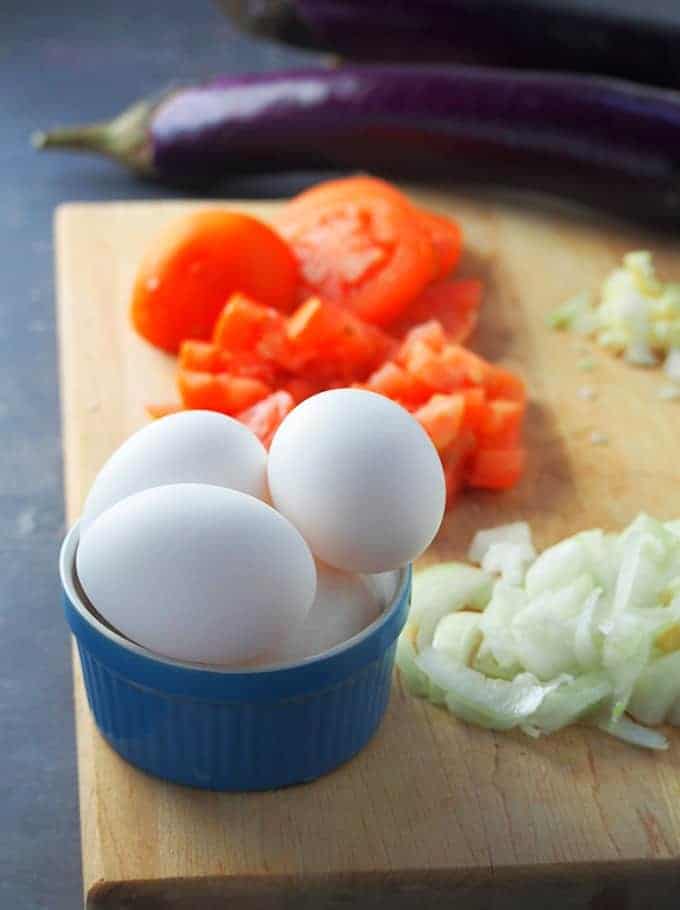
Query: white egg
point(188, 447)
point(345, 604)
point(360, 479)
point(385, 584)
point(197, 572)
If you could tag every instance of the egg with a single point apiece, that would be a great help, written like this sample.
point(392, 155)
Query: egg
point(345, 604)
point(188, 447)
point(359, 478)
point(197, 572)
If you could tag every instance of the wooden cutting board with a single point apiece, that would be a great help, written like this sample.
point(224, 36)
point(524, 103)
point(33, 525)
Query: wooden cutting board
point(433, 811)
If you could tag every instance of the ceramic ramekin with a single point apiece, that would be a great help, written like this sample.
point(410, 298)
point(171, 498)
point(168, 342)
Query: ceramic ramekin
point(233, 729)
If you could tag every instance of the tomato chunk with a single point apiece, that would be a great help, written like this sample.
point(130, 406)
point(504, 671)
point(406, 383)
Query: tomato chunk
point(222, 392)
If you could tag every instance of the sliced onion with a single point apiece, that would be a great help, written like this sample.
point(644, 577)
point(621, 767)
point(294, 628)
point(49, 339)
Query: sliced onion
point(459, 636)
point(671, 366)
point(517, 533)
point(591, 632)
point(492, 703)
point(443, 589)
point(630, 732)
point(569, 703)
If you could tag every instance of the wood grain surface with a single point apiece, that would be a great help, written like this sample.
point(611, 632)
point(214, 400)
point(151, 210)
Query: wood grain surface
point(432, 806)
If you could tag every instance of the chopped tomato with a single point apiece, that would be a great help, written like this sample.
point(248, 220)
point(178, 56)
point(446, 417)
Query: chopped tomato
point(430, 333)
point(502, 424)
point(299, 388)
point(476, 408)
point(204, 357)
point(442, 417)
point(220, 391)
point(245, 326)
point(474, 369)
point(447, 240)
point(454, 460)
point(197, 263)
point(333, 342)
point(264, 417)
point(452, 302)
point(396, 383)
point(495, 469)
point(156, 411)
point(360, 243)
point(501, 383)
point(429, 368)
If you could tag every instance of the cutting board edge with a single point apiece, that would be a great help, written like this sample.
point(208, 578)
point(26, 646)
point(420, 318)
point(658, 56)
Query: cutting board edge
point(635, 882)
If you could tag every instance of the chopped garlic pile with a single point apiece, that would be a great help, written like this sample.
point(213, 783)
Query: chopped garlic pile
point(637, 314)
point(587, 631)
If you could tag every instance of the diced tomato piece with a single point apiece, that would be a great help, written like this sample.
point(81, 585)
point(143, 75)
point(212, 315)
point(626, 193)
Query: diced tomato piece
point(222, 392)
point(430, 368)
point(454, 461)
point(156, 411)
point(447, 240)
point(495, 469)
point(333, 342)
point(441, 418)
point(502, 425)
point(396, 383)
point(299, 388)
point(474, 369)
point(202, 356)
point(475, 408)
point(265, 417)
point(430, 333)
point(502, 383)
point(452, 302)
point(243, 322)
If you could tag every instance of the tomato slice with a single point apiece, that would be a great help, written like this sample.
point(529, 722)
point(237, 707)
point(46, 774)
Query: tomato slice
point(447, 240)
point(360, 243)
point(197, 263)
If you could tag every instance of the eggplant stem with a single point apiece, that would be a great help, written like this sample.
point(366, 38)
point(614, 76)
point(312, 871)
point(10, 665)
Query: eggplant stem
point(125, 138)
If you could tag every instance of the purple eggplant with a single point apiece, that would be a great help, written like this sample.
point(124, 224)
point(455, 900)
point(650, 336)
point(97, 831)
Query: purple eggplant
point(614, 38)
point(603, 142)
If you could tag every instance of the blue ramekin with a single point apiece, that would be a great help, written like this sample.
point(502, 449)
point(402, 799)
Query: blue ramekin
point(234, 729)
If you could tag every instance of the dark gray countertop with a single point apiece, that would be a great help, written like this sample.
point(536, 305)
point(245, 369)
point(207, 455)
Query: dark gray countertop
point(64, 62)
point(59, 63)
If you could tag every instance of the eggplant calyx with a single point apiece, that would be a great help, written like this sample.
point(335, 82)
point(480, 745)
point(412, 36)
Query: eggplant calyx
point(125, 138)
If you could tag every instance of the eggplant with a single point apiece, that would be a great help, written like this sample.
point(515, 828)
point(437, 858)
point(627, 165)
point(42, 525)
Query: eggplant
point(616, 38)
point(601, 142)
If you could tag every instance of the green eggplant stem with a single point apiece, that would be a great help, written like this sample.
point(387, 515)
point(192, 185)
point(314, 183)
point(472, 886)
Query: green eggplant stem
point(125, 138)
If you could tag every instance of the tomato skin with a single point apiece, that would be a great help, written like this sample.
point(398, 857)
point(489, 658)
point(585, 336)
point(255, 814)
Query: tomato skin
point(221, 392)
point(453, 302)
point(197, 263)
point(360, 244)
point(495, 469)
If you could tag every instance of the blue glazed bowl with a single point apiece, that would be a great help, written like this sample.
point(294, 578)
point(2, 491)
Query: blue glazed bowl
point(233, 729)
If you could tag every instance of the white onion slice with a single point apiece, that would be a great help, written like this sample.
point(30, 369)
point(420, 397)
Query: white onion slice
point(592, 631)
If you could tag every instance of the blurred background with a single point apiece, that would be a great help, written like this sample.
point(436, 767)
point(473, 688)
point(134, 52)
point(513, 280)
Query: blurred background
point(79, 61)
